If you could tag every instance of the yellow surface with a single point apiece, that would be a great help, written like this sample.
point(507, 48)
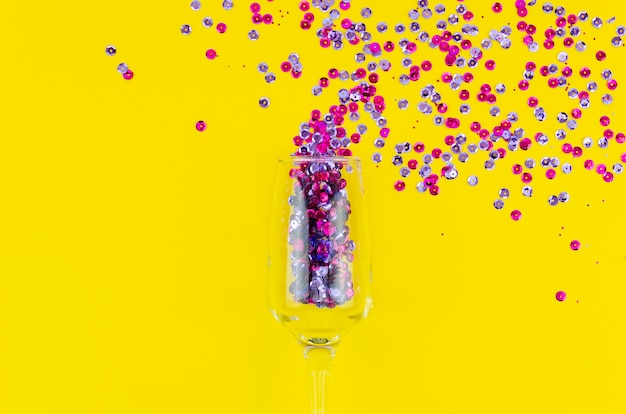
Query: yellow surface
point(133, 248)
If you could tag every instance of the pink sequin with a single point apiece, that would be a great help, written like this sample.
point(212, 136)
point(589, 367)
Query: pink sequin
point(523, 84)
point(577, 152)
point(560, 296)
point(211, 54)
point(516, 215)
point(612, 84)
point(574, 245)
point(399, 185)
point(128, 75)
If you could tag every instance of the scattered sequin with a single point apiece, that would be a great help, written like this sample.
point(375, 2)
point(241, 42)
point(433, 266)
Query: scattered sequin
point(264, 102)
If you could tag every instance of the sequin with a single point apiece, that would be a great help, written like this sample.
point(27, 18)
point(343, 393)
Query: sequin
point(596, 22)
point(553, 200)
point(211, 54)
point(221, 27)
point(253, 35)
point(574, 245)
point(128, 75)
point(200, 126)
point(111, 50)
point(516, 215)
point(196, 5)
point(566, 168)
point(560, 295)
point(472, 180)
point(122, 68)
point(185, 29)
point(270, 77)
point(207, 22)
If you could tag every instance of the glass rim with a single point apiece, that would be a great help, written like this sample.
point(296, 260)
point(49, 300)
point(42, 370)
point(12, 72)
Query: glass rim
point(313, 158)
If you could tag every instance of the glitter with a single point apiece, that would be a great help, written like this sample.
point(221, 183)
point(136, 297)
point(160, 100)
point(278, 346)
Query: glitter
point(185, 29)
point(196, 5)
point(560, 296)
point(110, 50)
point(200, 126)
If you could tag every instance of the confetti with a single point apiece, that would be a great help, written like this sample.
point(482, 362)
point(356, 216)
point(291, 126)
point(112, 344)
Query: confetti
point(449, 64)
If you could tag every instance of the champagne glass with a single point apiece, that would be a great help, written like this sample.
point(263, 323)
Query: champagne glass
point(319, 269)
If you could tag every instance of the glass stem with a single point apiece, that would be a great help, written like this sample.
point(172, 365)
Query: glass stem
point(318, 359)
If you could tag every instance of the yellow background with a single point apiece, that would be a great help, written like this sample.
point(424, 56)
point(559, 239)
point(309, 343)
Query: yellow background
point(133, 248)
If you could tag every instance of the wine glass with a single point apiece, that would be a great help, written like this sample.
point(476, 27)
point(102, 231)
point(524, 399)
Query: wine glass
point(319, 269)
